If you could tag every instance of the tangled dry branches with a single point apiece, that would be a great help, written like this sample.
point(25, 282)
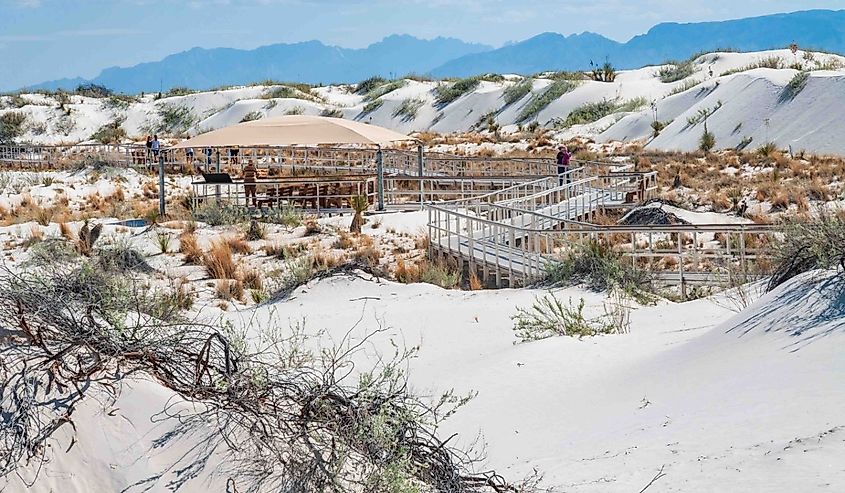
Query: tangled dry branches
point(282, 417)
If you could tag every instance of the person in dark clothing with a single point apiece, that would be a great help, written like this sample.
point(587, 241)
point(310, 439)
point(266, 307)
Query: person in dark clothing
point(208, 153)
point(250, 175)
point(149, 145)
point(563, 158)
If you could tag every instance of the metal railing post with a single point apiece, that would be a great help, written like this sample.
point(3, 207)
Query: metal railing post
point(380, 173)
point(420, 173)
point(161, 201)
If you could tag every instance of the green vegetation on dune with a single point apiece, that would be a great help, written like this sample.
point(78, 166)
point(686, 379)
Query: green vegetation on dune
point(540, 101)
point(446, 94)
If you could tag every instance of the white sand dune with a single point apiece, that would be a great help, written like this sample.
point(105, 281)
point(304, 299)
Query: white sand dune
point(751, 106)
point(722, 402)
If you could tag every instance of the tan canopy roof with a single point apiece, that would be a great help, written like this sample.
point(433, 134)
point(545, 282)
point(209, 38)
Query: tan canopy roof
point(294, 130)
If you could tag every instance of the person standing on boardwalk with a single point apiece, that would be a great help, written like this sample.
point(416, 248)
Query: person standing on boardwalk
point(249, 175)
point(563, 158)
point(149, 145)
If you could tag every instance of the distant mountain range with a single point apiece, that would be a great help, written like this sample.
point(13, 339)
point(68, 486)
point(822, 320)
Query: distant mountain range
point(314, 62)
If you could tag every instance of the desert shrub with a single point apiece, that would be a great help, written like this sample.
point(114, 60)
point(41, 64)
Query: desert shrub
point(548, 317)
point(64, 125)
point(179, 91)
point(445, 94)
point(121, 257)
point(282, 396)
point(435, 272)
point(111, 133)
point(119, 102)
point(517, 91)
point(599, 267)
point(408, 109)
point(174, 119)
point(707, 141)
point(288, 92)
point(603, 73)
point(92, 91)
point(238, 245)
point(162, 240)
point(332, 113)
point(189, 247)
point(218, 261)
point(795, 86)
point(296, 110)
point(372, 106)
point(702, 115)
point(219, 214)
point(590, 112)
point(767, 150)
point(229, 289)
point(370, 84)
point(809, 243)
point(675, 71)
point(383, 89)
point(540, 101)
point(251, 116)
point(12, 125)
point(285, 215)
point(51, 250)
point(685, 86)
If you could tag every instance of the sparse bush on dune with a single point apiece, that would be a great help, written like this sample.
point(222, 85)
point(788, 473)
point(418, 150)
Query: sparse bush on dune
point(189, 248)
point(516, 91)
point(707, 141)
point(540, 101)
point(111, 133)
point(808, 243)
point(367, 85)
point(12, 126)
point(436, 272)
point(372, 106)
point(254, 404)
point(383, 89)
point(408, 109)
point(674, 71)
point(598, 267)
point(447, 93)
point(332, 113)
point(219, 215)
point(795, 86)
point(548, 316)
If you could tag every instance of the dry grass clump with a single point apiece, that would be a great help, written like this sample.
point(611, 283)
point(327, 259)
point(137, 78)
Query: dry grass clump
point(322, 259)
point(218, 261)
point(238, 245)
point(312, 228)
point(367, 255)
point(284, 252)
point(189, 247)
point(228, 289)
point(436, 272)
point(65, 231)
point(252, 279)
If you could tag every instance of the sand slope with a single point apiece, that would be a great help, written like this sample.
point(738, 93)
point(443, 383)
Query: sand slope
point(751, 100)
point(723, 402)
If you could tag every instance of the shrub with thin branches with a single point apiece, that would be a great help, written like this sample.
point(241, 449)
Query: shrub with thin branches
point(808, 244)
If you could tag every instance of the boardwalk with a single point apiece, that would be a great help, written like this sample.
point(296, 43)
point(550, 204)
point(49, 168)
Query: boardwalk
point(511, 236)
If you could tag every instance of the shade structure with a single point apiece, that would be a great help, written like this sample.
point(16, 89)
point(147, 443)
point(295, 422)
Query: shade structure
point(295, 130)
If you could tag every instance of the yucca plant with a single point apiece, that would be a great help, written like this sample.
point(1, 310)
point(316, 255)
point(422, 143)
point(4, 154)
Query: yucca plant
point(359, 203)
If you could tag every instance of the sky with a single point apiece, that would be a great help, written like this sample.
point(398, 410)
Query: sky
point(50, 39)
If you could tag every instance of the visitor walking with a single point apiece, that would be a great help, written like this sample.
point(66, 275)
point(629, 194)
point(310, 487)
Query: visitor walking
point(249, 176)
point(155, 146)
point(149, 145)
point(563, 158)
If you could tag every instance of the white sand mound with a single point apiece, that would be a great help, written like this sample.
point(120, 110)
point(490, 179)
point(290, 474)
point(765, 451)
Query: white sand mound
point(751, 404)
point(752, 106)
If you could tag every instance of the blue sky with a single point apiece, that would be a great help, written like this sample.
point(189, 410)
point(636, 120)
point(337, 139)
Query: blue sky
point(49, 39)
